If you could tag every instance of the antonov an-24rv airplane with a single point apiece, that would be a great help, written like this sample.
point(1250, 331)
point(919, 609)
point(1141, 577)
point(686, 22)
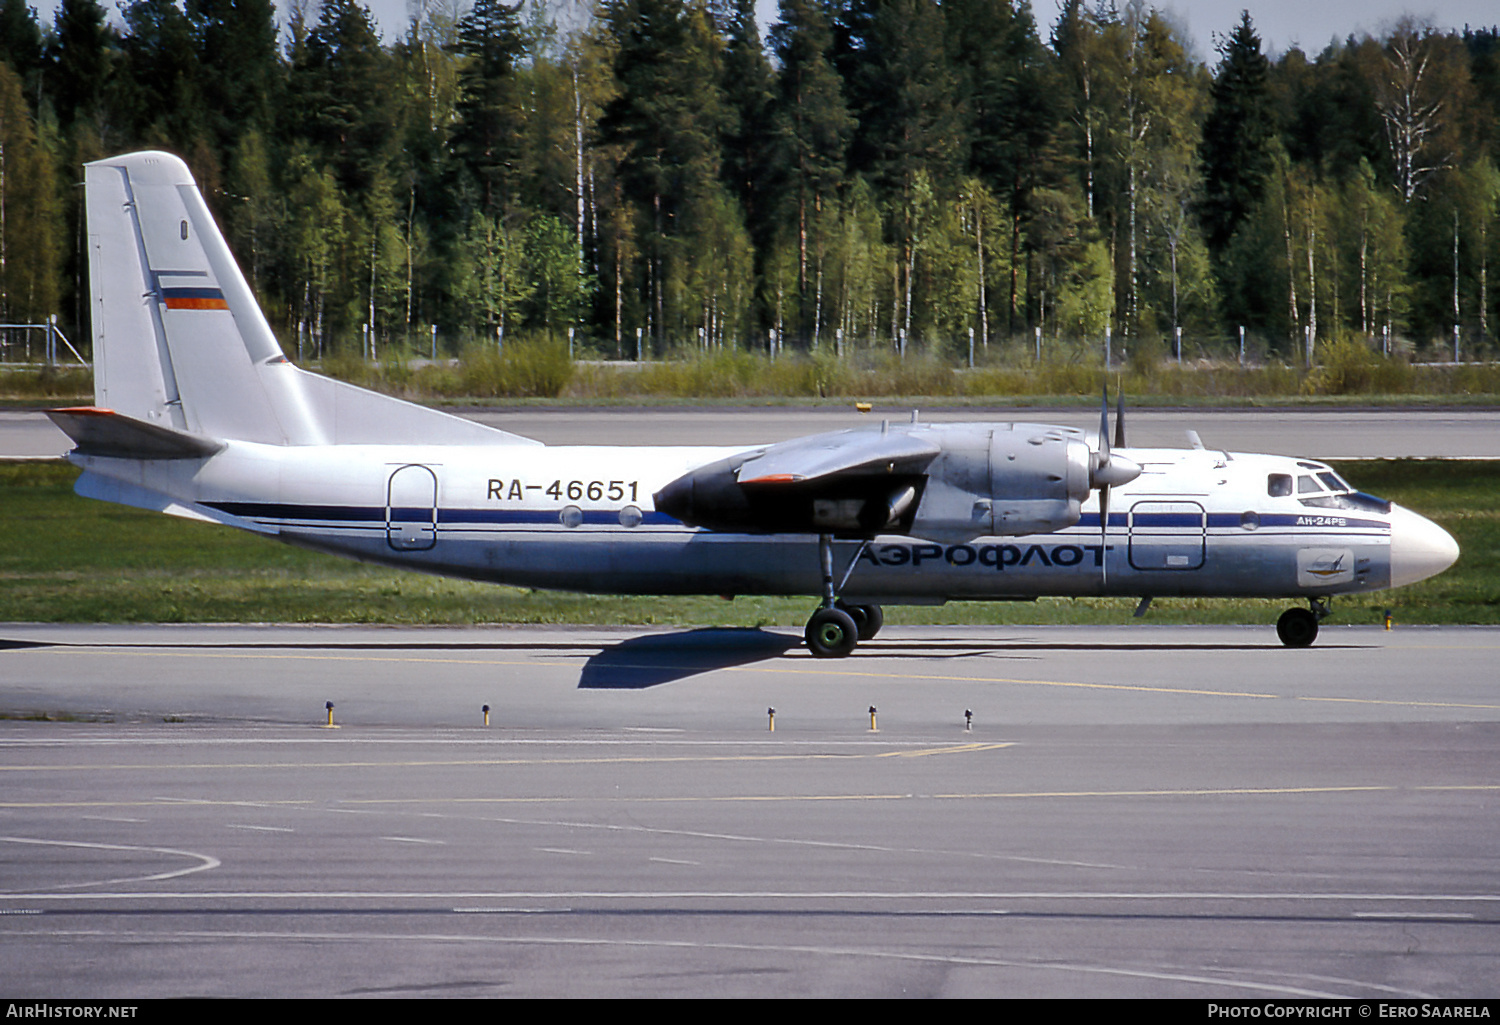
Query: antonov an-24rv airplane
point(199, 414)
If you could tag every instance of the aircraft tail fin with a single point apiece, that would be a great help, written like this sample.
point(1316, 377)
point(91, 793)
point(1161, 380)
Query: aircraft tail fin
point(181, 343)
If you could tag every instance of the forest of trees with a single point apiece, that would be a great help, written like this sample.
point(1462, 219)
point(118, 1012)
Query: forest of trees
point(869, 173)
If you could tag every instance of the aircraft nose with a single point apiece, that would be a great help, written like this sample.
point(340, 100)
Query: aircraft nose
point(1419, 547)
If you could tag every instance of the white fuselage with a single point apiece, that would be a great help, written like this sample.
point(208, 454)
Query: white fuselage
point(1195, 522)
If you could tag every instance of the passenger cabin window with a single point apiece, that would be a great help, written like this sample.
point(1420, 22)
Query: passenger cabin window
point(1279, 485)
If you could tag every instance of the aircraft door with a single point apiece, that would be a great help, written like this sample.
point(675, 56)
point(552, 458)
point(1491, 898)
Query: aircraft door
point(411, 509)
point(1167, 535)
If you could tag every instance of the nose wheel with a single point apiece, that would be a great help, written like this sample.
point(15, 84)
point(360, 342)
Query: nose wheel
point(1298, 628)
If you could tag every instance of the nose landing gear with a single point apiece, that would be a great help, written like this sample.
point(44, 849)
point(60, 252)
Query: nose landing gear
point(1298, 628)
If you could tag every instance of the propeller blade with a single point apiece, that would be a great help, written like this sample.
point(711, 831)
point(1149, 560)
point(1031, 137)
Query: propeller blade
point(1109, 470)
point(1104, 537)
point(1104, 429)
point(1120, 419)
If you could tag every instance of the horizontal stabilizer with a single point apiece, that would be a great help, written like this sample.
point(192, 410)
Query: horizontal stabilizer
point(105, 433)
point(841, 453)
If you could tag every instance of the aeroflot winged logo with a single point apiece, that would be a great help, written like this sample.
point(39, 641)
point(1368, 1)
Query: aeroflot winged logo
point(1324, 571)
point(1324, 566)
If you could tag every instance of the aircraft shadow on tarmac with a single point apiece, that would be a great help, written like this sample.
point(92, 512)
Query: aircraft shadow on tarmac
point(641, 662)
point(8, 645)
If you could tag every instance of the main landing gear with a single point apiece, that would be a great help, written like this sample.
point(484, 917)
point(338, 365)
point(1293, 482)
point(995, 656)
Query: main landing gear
point(1298, 628)
point(836, 628)
point(832, 632)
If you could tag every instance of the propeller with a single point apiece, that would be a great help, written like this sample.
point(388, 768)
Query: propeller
point(1110, 470)
point(1119, 416)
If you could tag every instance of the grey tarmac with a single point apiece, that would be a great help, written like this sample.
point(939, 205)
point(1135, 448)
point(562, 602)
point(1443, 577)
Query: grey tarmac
point(1136, 811)
point(1332, 433)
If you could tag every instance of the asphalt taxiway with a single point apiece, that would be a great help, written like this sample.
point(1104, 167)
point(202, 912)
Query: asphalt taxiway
point(1333, 433)
point(1140, 810)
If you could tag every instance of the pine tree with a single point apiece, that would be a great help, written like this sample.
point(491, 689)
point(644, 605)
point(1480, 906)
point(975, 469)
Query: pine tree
point(488, 137)
point(242, 76)
point(910, 127)
point(666, 121)
point(906, 97)
point(1237, 137)
point(1014, 102)
point(339, 86)
point(1008, 89)
point(749, 85)
point(21, 43)
point(811, 132)
point(82, 55)
point(161, 74)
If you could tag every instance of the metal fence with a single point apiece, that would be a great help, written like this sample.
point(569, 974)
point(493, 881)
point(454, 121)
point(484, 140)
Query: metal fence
point(28, 348)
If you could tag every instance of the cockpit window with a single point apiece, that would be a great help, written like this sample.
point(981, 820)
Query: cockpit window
point(1279, 485)
point(1354, 500)
point(1333, 481)
point(1368, 502)
point(1307, 486)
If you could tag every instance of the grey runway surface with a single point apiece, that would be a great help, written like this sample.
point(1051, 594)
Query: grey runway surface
point(1137, 811)
point(1318, 433)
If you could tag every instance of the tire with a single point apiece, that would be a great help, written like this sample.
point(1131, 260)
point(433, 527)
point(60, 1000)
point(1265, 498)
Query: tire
point(1297, 628)
point(868, 619)
point(831, 633)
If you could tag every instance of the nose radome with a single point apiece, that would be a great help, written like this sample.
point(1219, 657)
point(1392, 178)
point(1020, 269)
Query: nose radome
point(1419, 547)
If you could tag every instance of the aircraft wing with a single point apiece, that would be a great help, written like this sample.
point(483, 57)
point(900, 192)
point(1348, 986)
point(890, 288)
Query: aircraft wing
point(840, 454)
point(949, 482)
point(855, 482)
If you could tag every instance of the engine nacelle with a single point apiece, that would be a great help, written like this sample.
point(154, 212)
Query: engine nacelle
point(948, 482)
point(1004, 479)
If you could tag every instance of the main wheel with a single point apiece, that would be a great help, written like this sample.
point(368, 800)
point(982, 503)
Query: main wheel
point(868, 619)
point(1297, 628)
point(831, 633)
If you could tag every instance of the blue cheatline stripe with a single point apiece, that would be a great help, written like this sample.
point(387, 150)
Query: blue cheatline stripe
point(606, 517)
point(1195, 520)
point(280, 511)
point(377, 514)
point(597, 517)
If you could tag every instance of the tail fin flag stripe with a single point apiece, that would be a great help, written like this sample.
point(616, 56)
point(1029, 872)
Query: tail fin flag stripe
point(194, 299)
